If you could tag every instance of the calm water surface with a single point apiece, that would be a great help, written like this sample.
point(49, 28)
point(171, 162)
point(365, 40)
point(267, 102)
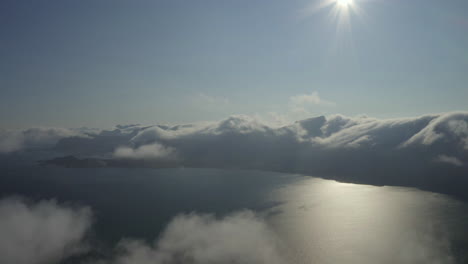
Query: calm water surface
point(318, 221)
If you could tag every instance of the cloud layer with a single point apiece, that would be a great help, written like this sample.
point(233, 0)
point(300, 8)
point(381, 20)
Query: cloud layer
point(430, 151)
point(15, 140)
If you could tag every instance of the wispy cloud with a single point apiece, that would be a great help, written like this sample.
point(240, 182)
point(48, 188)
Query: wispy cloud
point(449, 160)
point(312, 98)
point(303, 102)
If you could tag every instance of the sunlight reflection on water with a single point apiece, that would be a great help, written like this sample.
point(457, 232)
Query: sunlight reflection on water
point(329, 222)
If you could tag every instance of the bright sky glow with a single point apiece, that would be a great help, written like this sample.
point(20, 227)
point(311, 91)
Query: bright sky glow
point(344, 3)
point(96, 63)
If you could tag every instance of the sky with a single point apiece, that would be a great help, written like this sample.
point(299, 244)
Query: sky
point(98, 63)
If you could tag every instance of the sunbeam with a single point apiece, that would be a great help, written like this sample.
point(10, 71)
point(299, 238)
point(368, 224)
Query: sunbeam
point(340, 11)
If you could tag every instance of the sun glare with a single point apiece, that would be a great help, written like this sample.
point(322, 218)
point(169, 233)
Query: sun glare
point(344, 3)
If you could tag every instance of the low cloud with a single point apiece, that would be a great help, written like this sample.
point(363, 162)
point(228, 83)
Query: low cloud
point(242, 237)
point(45, 232)
point(16, 140)
point(153, 151)
point(355, 149)
point(400, 151)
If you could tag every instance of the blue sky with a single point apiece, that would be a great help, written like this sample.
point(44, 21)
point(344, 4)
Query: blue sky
point(98, 63)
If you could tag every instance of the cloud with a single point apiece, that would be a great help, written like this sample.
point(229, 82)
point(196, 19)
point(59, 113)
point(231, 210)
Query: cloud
point(45, 232)
point(446, 127)
point(152, 151)
point(299, 103)
point(335, 131)
point(450, 160)
point(16, 140)
point(356, 149)
point(399, 151)
point(241, 237)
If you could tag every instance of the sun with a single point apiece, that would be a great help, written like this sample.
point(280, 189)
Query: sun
point(340, 12)
point(344, 3)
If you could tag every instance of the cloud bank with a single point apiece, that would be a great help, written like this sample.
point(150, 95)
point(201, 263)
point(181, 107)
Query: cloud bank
point(16, 140)
point(429, 152)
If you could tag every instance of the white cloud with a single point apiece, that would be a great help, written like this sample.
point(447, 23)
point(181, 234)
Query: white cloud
point(242, 237)
point(300, 103)
point(358, 149)
point(45, 232)
point(40, 233)
point(238, 137)
point(151, 151)
point(450, 126)
point(362, 149)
